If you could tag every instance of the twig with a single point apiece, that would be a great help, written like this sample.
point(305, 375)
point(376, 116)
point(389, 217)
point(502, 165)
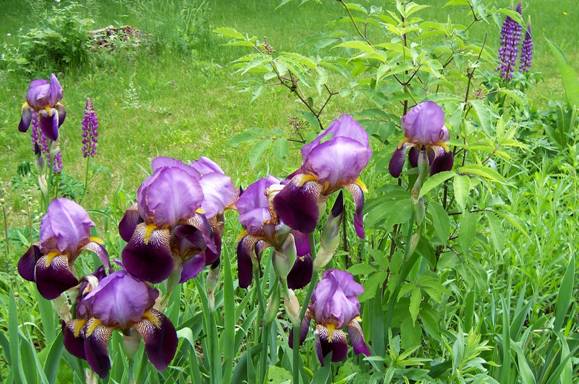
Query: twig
point(362, 35)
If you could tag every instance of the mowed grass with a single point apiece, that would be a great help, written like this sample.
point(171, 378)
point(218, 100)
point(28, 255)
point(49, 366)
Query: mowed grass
point(191, 105)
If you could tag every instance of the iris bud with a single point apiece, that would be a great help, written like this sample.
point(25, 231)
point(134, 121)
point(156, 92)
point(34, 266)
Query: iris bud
point(285, 257)
point(292, 307)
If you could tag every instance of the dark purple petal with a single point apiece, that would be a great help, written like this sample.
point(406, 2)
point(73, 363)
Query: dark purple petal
point(187, 241)
point(212, 257)
point(25, 119)
point(192, 267)
point(397, 162)
point(338, 207)
point(53, 276)
point(202, 224)
point(335, 344)
point(64, 227)
point(301, 273)
point(129, 222)
point(357, 338)
point(49, 123)
point(245, 249)
point(61, 114)
point(358, 196)
point(413, 157)
point(27, 263)
point(72, 337)
point(304, 328)
point(160, 338)
point(100, 251)
point(149, 259)
point(96, 347)
point(120, 300)
point(298, 206)
point(442, 163)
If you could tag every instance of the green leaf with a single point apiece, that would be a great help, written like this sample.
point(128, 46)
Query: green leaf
point(434, 181)
point(565, 294)
point(482, 171)
point(230, 33)
point(53, 359)
point(461, 189)
point(496, 231)
point(361, 269)
point(467, 230)
point(228, 334)
point(16, 371)
point(568, 75)
point(483, 113)
point(440, 221)
point(371, 285)
point(257, 151)
point(414, 307)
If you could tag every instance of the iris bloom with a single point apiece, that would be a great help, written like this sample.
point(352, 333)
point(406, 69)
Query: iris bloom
point(423, 130)
point(43, 101)
point(177, 221)
point(332, 161)
point(121, 302)
point(64, 234)
point(335, 306)
point(262, 229)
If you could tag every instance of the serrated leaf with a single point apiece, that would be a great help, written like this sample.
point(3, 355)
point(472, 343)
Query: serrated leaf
point(434, 181)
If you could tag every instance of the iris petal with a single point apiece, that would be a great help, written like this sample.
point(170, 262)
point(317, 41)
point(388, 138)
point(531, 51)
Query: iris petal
point(298, 206)
point(150, 259)
point(96, 347)
point(25, 119)
point(358, 196)
point(53, 276)
point(304, 327)
point(357, 338)
point(245, 249)
point(100, 251)
point(334, 343)
point(73, 344)
point(397, 162)
point(129, 222)
point(301, 273)
point(442, 163)
point(49, 123)
point(27, 263)
point(192, 267)
point(160, 338)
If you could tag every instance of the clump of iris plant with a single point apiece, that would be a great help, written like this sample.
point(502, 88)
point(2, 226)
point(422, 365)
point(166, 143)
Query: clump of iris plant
point(509, 47)
point(332, 161)
point(120, 302)
point(335, 310)
point(177, 222)
point(90, 125)
point(527, 51)
point(424, 129)
point(64, 234)
point(43, 102)
point(263, 229)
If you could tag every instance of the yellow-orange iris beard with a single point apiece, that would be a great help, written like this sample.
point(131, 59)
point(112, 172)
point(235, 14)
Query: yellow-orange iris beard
point(149, 228)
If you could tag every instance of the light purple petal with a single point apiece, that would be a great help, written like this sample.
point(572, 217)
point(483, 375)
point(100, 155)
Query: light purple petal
point(358, 196)
point(218, 193)
point(357, 338)
point(205, 166)
point(54, 91)
point(64, 227)
point(253, 205)
point(424, 124)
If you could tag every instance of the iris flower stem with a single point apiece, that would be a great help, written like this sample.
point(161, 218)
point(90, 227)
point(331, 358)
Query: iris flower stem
point(5, 219)
point(261, 313)
point(297, 327)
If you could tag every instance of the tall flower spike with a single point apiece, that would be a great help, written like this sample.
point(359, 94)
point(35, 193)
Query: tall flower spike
point(332, 161)
point(90, 125)
point(527, 51)
point(423, 129)
point(335, 307)
point(43, 98)
point(57, 163)
point(509, 47)
point(64, 234)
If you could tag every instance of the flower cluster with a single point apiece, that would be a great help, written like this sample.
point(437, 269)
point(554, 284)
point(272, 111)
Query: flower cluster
point(527, 51)
point(424, 130)
point(90, 125)
point(509, 48)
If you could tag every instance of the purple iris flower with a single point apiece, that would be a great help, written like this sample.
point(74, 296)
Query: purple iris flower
point(43, 100)
point(335, 306)
point(262, 229)
point(332, 161)
point(119, 301)
point(64, 234)
point(423, 130)
point(177, 221)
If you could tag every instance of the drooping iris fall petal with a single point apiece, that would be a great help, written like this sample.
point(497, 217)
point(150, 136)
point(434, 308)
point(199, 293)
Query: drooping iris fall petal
point(160, 338)
point(148, 254)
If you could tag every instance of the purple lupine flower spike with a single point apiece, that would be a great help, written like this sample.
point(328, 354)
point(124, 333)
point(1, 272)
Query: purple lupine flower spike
point(509, 48)
point(527, 51)
point(424, 129)
point(43, 98)
point(64, 234)
point(90, 125)
point(118, 301)
point(57, 163)
point(334, 307)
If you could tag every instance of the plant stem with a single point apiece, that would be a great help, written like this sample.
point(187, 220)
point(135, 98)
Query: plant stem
point(86, 172)
point(304, 308)
point(261, 324)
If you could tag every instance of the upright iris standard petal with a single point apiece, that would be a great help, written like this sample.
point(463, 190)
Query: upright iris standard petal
point(253, 205)
point(218, 193)
point(120, 300)
point(160, 338)
point(424, 124)
point(169, 195)
point(65, 226)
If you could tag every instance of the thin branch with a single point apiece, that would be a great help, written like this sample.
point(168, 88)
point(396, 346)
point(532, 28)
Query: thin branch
point(362, 35)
